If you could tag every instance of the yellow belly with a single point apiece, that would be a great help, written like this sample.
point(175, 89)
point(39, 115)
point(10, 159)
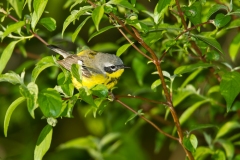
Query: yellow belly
point(109, 80)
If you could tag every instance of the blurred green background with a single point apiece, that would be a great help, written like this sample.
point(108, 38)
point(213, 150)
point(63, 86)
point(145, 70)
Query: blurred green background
point(136, 140)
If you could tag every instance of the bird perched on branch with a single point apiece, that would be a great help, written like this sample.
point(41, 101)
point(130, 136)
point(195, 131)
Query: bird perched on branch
point(96, 67)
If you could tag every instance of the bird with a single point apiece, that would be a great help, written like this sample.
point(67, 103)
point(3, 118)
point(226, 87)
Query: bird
point(96, 67)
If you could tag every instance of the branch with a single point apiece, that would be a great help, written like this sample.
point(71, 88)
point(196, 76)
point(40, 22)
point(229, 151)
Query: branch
point(14, 19)
point(148, 121)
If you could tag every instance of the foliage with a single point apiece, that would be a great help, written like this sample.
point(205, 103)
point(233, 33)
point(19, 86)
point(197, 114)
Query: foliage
point(183, 81)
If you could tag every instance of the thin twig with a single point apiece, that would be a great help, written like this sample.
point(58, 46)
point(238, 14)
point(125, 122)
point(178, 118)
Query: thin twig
point(142, 98)
point(141, 52)
point(148, 121)
point(34, 34)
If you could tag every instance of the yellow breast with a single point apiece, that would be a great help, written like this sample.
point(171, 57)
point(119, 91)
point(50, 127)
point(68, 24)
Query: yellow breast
point(109, 80)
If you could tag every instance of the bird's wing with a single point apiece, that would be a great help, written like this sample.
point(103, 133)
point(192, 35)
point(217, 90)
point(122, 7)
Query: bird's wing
point(74, 59)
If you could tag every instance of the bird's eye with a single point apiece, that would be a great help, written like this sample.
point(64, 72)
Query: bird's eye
point(113, 68)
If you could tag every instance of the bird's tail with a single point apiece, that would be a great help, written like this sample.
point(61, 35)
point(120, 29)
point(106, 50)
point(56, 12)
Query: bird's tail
point(59, 51)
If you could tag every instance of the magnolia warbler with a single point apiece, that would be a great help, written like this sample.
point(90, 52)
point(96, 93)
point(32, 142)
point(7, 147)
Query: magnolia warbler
point(96, 67)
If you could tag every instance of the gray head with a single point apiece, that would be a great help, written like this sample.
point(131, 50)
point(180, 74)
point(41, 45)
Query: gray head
point(108, 62)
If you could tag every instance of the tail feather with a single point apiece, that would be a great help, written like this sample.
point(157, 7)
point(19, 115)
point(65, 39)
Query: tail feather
point(59, 50)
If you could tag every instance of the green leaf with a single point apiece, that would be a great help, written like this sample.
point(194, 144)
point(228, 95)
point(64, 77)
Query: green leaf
point(65, 84)
point(74, 35)
point(17, 6)
point(75, 14)
point(109, 138)
point(31, 94)
point(191, 77)
point(234, 47)
point(86, 96)
point(218, 155)
point(100, 31)
point(140, 69)
point(76, 72)
point(234, 24)
point(226, 128)
point(139, 113)
point(50, 102)
point(213, 9)
point(188, 112)
point(12, 28)
point(190, 142)
point(49, 23)
point(202, 152)
point(39, 7)
point(97, 15)
point(230, 87)
point(193, 12)
point(100, 90)
point(182, 94)
point(236, 12)
point(86, 143)
point(122, 49)
point(41, 65)
point(11, 77)
point(155, 84)
point(43, 142)
point(221, 20)
point(7, 53)
point(67, 106)
point(211, 41)
point(191, 67)
point(123, 3)
point(228, 147)
point(160, 9)
point(9, 112)
point(201, 126)
point(29, 5)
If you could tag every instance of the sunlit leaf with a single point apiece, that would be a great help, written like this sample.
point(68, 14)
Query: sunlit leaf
point(75, 14)
point(123, 3)
point(201, 126)
point(18, 6)
point(76, 72)
point(6, 54)
point(202, 153)
point(189, 68)
point(74, 35)
point(9, 112)
point(234, 24)
point(41, 65)
point(97, 15)
point(160, 9)
point(234, 47)
point(189, 111)
point(100, 31)
point(11, 77)
point(30, 92)
point(39, 7)
point(155, 84)
point(86, 97)
point(230, 87)
point(122, 49)
point(218, 155)
point(226, 128)
point(43, 142)
point(190, 142)
point(49, 23)
point(12, 28)
point(228, 147)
